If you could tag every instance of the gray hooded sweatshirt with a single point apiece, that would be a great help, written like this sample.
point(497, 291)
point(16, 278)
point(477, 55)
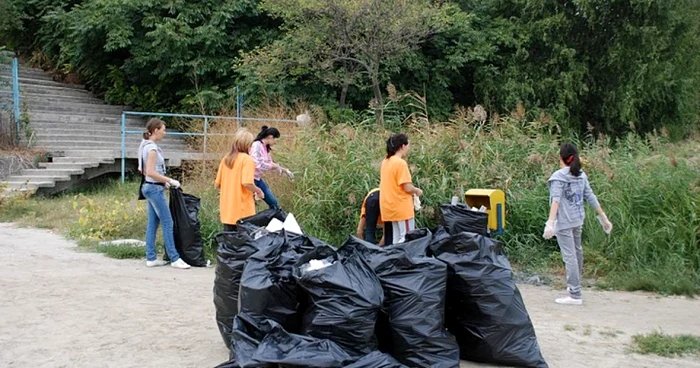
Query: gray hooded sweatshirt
point(570, 191)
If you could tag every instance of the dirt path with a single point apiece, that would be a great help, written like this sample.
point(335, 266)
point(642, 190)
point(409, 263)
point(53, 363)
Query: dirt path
point(63, 308)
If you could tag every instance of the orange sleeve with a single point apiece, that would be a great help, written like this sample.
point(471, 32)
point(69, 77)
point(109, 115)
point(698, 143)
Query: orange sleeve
point(404, 176)
point(219, 174)
point(248, 174)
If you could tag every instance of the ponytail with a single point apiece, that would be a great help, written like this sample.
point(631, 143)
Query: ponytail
point(265, 131)
point(151, 126)
point(569, 155)
point(394, 143)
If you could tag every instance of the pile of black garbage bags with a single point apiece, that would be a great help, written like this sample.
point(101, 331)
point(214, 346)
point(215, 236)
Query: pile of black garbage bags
point(289, 300)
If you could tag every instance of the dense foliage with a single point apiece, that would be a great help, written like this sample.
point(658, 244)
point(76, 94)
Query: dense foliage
point(607, 66)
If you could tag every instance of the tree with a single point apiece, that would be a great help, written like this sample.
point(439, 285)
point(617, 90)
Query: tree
point(353, 42)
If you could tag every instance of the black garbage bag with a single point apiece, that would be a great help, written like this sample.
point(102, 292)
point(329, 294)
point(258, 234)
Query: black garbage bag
point(234, 249)
point(414, 300)
point(263, 218)
point(245, 340)
point(292, 350)
point(459, 217)
point(184, 209)
point(376, 359)
point(485, 310)
point(268, 344)
point(345, 297)
point(268, 287)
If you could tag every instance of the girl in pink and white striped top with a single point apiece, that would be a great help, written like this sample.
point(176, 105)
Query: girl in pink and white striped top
point(260, 151)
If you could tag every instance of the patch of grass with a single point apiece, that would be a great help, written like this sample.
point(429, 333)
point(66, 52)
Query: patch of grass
point(122, 251)
point(587, 331)
point(569, 328)
point(667, 345)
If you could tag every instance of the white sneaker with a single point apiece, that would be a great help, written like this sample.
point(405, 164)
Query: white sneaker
point(180, 264)
point(569, 300)
point(156, 263)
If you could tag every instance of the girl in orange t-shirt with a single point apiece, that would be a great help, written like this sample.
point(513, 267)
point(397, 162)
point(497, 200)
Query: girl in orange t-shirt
point(235, 181)
point(396, 191)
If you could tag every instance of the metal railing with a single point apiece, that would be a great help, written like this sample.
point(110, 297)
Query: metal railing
point(205, 133)
point(17, 117)
point(15, 95)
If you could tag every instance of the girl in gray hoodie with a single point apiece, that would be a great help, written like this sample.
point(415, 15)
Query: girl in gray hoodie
point(568, 188)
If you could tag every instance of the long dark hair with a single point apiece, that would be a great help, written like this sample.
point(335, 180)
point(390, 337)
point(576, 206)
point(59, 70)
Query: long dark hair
point(394, 143)
point(569, 155)
point(265, 131)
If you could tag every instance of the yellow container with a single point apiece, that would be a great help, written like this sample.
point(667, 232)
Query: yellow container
point(495, 202)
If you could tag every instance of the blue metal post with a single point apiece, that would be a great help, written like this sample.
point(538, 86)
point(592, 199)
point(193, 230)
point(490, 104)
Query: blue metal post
point(239, 106)
point(123, 147)
point(15, 95)
point(499, 219)
point(206, 126)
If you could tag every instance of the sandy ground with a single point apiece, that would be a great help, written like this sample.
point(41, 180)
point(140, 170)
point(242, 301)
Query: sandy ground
point(60, 307)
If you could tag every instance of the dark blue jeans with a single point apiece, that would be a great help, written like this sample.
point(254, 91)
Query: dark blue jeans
point(269, 197)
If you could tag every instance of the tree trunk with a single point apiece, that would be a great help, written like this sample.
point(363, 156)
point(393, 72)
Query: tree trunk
point(343, 95)
point(380, 101)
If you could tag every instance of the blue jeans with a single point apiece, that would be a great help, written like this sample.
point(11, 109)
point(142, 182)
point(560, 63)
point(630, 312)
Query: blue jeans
point(158, 213)
point(269, 197)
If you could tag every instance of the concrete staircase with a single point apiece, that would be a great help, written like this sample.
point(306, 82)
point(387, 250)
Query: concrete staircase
point(80, 133)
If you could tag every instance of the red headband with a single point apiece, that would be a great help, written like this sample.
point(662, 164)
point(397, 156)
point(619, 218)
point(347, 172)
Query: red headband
point(569, 159)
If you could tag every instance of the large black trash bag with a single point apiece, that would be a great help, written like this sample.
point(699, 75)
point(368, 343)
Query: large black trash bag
point(184, 209)
point(267, 344)
point(292, 350)
point(263, 218)
point(414, 289)
point(234, 248)
point(245, 340)
point(459, 217)
point(255, 225)
point(376, 359)
point(485, 310)
point(345, 298)
point(268, 287)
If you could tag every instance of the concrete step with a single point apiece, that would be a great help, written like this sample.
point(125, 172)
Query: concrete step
point(82, 118)
point(130, 153)
point(53, 90)
point(73, 160)
point(51, 129)
point(69, 165)
point(38, 178)
point(33, 81)
point(81, 108)
point(34, 72)
point(52, 172)
point(28, 185)
point(15, 182)
point(33, 99)
point(112, 135)
point(110, 144)
point(28, 73)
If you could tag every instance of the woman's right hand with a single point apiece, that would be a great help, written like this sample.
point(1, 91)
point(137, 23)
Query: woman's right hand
point(418, 192)
point(259, 194)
